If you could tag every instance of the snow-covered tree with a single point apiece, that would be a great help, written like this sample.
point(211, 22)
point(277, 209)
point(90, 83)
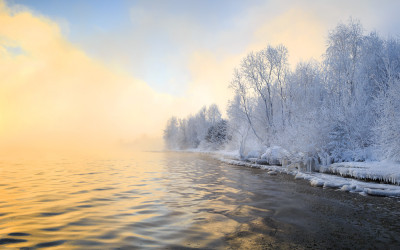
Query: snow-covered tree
point(191, 132)
point(171, 133)
point(387, 129)
point(344, 108)
point(213, 114)
point(217, 134)
point(388, 126)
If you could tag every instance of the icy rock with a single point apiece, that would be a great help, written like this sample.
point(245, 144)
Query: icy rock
point(298, 176)
point(262, 162)
point(381, 192)
point(272, 173)
point(316, 183)
point(332, 185)
point(346, 188)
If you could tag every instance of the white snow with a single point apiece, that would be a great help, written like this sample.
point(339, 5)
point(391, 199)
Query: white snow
point(253, 154)
point(274, 155)
point(340, 176)
point(339, 182)
point(384, 171)
point(349, 184)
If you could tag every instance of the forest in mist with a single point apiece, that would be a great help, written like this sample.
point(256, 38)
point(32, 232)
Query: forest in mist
point(345, 107)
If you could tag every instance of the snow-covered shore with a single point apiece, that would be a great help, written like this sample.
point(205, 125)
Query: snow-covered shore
point(384, 171)
point(366, 178)
point(355, 177)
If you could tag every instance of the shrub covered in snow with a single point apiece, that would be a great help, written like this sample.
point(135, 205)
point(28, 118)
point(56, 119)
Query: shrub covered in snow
point(253, 154)
point(275, 155)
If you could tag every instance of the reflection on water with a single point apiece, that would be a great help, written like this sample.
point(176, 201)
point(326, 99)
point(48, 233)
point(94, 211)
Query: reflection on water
point(170, 200)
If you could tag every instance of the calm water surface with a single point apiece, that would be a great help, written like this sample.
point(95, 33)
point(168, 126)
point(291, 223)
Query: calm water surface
point(181, 201)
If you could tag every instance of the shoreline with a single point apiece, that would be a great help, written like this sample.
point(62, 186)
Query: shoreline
point(338, 176)
point(331, 181)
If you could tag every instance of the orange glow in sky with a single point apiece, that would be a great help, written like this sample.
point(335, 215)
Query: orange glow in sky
point(91, 93)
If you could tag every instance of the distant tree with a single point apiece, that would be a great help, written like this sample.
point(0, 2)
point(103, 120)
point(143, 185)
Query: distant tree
point(182, 138)
point(171, 133)
point(189, 133)
point(213, 114)
point(193, 139)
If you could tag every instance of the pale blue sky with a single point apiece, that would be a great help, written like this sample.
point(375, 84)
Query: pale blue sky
point(122, 68)
point(134, 34)
point(154, 40)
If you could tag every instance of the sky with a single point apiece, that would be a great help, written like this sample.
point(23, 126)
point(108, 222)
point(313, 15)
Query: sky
point(87, 74)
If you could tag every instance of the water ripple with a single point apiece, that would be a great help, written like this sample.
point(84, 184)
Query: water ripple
point(173, 201)
point(50, 244)
point(4, 241)
point(18, 234)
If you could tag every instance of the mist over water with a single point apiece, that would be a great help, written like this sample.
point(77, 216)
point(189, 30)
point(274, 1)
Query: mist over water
point(170, 200)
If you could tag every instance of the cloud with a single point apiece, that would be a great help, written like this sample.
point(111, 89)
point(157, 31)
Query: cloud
point(96, 90)
point(211, 69)
point(302, 27)
point(55, 97)
point(298, 30)
point(211, 75)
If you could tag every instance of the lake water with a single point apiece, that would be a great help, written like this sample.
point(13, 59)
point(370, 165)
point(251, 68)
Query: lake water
point(181, 201)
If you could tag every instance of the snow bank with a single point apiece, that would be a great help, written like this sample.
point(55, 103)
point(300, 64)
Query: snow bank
point(338, 176)
point(327, 180)
point(350, 185)
point(270, 168)
point(387, 172)
point(275, 155)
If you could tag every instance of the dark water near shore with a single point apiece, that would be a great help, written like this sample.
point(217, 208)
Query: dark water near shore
point(183, 201)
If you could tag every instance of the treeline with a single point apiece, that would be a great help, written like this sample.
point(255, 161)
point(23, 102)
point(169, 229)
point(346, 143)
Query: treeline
point(206, 129)
point(344, 108)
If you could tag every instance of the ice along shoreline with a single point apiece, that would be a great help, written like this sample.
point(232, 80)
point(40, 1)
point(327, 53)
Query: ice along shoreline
point(330, 177)
point(355, 177)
